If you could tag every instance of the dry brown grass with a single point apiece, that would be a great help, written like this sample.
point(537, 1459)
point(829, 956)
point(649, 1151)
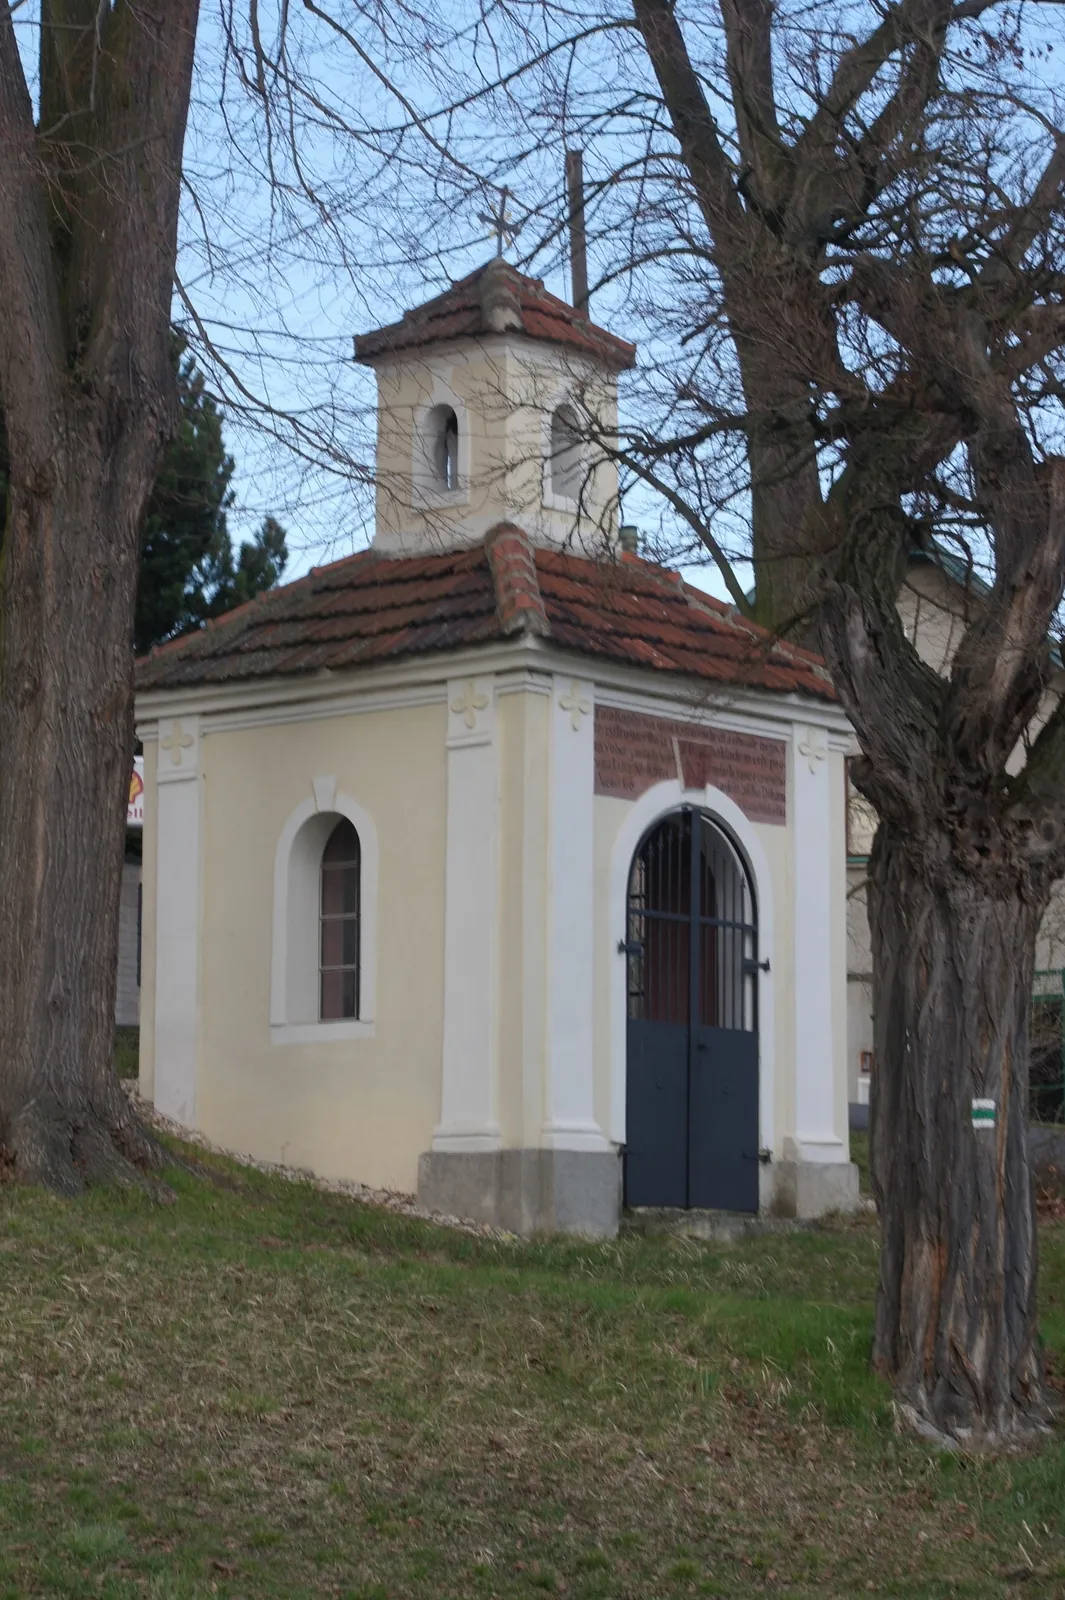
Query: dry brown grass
point(266, 1390)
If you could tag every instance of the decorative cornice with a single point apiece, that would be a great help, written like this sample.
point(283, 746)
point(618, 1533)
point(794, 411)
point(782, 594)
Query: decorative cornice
point(422, 681)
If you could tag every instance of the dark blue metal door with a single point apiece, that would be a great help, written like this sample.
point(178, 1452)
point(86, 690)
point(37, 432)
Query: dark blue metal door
point(656, 1114)
point(723, 1120)
point(692, 1072)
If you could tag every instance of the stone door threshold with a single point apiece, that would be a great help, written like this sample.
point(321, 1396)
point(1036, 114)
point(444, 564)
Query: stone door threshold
point(722, 1226)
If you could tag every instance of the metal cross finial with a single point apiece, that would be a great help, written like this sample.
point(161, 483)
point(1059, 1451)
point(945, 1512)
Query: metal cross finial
point(500, 223)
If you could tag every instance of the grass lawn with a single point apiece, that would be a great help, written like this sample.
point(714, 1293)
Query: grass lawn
point(264, 1390)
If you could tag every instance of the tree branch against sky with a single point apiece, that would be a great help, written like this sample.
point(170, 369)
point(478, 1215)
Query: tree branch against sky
point(837, 233)
point(842, 228)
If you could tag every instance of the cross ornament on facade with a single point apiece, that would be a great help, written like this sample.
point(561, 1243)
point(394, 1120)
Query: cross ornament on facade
point(812, 751)
point(176, 741)
point(501, 225)
point(469, 703)
point(575, 705)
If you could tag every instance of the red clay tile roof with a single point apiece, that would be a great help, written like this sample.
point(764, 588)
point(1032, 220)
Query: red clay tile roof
point(372, 608)
point(497, 298)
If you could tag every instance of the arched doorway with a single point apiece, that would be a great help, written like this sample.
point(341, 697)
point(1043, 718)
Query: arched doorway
point(691, 1136)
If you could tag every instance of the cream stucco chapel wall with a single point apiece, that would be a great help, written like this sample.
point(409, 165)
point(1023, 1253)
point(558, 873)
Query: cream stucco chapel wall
point(358, 1106)
point(149, 858)
point(489, 1066)
point(367, 1102)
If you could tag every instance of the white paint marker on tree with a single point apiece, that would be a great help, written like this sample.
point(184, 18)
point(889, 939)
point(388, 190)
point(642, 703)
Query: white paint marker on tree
point(983, 1113)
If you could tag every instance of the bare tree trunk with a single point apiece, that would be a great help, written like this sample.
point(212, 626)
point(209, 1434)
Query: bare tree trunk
point(89, 193)
point(953, 954)
point(66, 603)
point(784, 492)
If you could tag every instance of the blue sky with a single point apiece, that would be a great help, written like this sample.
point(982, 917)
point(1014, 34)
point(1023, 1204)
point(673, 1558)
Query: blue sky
point(278, 281)
point(332, 216)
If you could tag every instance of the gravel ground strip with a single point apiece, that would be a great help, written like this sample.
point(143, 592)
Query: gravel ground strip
point(394, 1200)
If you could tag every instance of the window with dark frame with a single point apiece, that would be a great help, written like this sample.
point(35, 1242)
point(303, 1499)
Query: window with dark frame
point(338, 959)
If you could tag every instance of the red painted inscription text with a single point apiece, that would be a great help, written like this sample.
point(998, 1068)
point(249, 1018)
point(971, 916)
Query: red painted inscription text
point(632, 752)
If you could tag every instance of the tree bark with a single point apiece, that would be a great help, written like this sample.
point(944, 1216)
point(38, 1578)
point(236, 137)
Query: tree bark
point(89, 200)
point(967, 848)
point(785, 492)
point(953, 954)
point(66, 732)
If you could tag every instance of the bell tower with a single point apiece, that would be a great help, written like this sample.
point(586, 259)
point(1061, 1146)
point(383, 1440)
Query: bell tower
point(496, 402)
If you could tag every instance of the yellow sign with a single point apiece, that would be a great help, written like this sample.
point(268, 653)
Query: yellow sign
point(135, 806)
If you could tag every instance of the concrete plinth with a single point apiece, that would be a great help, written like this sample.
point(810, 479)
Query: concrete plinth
point(525, 1191)
point(809, 1189)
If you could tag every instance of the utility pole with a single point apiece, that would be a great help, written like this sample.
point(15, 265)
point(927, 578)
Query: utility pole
point(578, 244)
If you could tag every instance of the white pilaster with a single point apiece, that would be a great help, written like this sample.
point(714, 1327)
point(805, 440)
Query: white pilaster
point(468, 1114)
point(569, 1098)
point(815, 1138)
point(178, 910)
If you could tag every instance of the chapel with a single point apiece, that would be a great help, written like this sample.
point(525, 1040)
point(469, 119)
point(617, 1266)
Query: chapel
point(495, 862)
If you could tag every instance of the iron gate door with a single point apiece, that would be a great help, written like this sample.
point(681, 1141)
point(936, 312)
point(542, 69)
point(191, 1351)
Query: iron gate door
point(692, 1070)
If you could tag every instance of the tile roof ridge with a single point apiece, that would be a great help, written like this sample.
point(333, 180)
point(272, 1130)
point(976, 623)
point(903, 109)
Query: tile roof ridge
point(266, 597)
point(210, 625)
point(733, 617)
point(512, 561)
point(699, 600)
point(356, 556)
point(664, 577)
point(167, 644)
point(495, 298)
point(225, 619)
point(258, 602)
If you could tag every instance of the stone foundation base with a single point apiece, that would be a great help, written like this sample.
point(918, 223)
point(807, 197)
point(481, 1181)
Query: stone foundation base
point(809, 1189)
point(525, 1191)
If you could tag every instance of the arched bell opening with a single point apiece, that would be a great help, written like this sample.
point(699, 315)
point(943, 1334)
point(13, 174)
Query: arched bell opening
point(443, 447)
point(692, 1045)
point(565, 462)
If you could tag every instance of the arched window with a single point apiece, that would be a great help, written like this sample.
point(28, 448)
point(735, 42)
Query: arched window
point(338, 958)
point(323, 968)
point(443, 441)
point(565, 465)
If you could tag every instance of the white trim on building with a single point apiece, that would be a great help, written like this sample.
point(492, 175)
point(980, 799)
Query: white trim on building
point(294, 988)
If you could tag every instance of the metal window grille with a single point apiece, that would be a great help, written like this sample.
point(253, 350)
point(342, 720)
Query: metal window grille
point(339, 924)
point(692, 935)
